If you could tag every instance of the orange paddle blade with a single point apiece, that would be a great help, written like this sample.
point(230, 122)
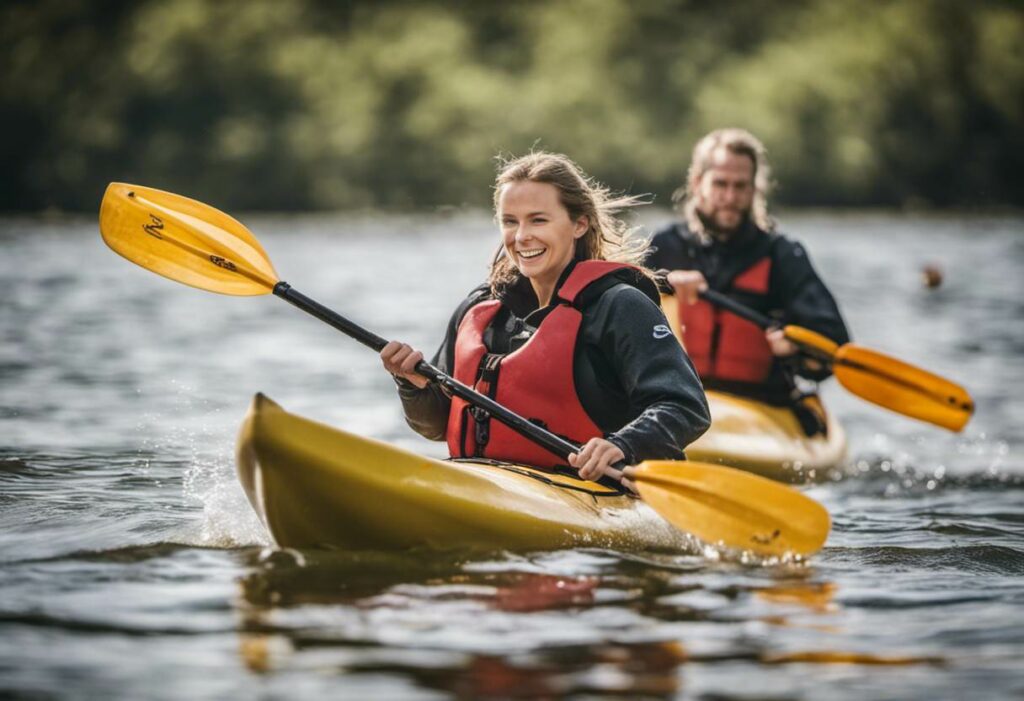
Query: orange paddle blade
point(902, 387)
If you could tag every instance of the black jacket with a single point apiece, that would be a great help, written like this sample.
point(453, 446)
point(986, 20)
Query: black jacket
point(634, 382)
point(796, 295)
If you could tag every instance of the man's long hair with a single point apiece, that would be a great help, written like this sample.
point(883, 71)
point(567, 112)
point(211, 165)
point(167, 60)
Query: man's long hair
point(742, 143)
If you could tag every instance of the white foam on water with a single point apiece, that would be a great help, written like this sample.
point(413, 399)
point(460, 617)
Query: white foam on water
point(203, 438)
point(227, 518)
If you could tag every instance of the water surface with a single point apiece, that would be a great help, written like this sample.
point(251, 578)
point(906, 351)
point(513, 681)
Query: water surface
point(132, 567)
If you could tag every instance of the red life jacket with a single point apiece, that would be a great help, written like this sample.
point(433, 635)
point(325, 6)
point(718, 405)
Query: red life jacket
point(722, 345)
point(535, 381)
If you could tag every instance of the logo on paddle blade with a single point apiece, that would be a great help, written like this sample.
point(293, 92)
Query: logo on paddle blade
point(223, 263)
point(766, 539)
point(662, 331)
point(155, 225)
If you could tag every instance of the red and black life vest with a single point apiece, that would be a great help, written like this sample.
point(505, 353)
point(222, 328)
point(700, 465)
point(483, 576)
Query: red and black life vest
point(722, 345)
point(535, 381)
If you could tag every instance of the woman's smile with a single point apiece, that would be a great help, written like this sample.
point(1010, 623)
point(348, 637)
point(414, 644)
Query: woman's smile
point(530, 253)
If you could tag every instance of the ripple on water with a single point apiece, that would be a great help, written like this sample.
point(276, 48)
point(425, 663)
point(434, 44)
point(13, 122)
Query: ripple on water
point(133, 568)
point(968, 559)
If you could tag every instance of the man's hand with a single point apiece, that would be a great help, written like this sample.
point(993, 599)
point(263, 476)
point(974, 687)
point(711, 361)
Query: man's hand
point(400, 360)
point(688, 284)
point(627, 478)
point(596, 458)
point(780, 345)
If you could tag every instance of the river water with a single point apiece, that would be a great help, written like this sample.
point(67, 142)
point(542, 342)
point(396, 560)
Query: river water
point(131, 565)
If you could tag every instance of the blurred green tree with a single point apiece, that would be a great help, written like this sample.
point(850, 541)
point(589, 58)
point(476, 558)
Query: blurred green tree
point(309, 104)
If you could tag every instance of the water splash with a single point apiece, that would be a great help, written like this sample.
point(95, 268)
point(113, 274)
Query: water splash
point(227, 519)
point(202, 437)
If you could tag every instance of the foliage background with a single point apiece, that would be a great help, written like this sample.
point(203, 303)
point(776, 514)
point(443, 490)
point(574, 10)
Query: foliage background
point(311, 104)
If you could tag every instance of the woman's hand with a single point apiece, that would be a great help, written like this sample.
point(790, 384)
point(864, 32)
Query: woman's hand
point(596, 458)
point(400, 360)
point(688, 284)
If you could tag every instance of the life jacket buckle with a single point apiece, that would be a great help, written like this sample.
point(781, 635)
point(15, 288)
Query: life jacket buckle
point(481, 427)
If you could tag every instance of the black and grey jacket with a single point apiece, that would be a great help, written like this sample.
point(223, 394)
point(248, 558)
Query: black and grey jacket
point(633, 379)
point(796, 294)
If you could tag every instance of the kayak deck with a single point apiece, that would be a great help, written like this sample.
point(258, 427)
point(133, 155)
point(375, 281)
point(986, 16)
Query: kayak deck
point(767, 441)
point(316, 486)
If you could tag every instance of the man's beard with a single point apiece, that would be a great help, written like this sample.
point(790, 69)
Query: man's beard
point(723, 233)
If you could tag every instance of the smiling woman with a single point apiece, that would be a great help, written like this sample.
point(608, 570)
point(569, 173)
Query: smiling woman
point(538, 233)
point(567, 331)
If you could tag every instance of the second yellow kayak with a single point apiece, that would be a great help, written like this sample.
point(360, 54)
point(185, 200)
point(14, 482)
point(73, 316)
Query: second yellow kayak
point(767, 440)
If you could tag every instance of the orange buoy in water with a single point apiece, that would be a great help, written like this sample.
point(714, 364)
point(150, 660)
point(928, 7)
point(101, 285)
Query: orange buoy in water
point(932, 275)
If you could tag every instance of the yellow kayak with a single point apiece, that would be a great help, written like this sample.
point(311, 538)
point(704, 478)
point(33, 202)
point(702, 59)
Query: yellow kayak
point(767, 440)
point(317, 486)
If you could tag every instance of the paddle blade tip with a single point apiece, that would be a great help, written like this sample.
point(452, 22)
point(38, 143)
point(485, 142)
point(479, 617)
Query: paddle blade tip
point(737, 509)
point(184, 240)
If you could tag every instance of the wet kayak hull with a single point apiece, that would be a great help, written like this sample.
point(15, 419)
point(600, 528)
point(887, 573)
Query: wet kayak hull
point(316, 486)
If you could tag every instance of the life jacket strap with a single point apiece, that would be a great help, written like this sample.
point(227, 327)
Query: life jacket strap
point(487, 383)
point(481, 428)
point(487, 375)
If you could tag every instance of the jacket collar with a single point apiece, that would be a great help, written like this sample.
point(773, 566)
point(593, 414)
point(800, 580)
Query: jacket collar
point(519, 296)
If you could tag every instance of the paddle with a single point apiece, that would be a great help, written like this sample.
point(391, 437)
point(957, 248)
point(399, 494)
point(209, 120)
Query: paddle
point(193, 243)
point(871, 375)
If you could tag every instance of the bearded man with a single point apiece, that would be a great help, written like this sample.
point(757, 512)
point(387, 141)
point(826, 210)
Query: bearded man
point(726, 241)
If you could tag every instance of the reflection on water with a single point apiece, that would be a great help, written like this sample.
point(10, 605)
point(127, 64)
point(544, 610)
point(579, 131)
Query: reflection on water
point(816, 596)
point(134, 568)
point(628, 659)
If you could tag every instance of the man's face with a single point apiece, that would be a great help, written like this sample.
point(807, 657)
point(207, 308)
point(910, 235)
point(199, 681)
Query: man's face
point(726, 191)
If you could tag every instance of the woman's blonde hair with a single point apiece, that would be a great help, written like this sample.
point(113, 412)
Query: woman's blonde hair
point(607, 237)
point(742, 143)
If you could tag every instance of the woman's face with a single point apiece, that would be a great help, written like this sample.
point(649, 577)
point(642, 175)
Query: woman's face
point(538, 235)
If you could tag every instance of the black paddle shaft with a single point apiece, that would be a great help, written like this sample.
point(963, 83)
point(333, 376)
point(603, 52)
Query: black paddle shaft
point(740, 310)
point(557, 445)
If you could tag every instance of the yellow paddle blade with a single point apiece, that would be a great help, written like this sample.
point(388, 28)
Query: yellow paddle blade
point(902, 387)
point(184, 240)
point(733, 507)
